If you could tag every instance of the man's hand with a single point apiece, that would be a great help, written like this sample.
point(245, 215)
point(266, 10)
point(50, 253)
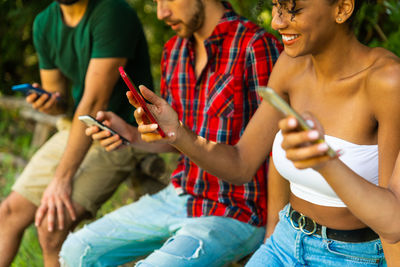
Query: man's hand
point(56, 196)
point(107, 140)
point(165, 115)
point(43, 103)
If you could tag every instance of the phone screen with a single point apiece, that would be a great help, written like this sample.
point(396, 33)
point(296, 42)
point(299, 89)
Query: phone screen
point(139, 99)
point(90, 121)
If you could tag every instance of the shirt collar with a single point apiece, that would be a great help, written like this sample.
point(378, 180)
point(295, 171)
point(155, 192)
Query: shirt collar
point(222, 28)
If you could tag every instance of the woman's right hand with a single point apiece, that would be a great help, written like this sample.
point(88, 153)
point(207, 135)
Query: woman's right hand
point(301, 146)
point(164, 114)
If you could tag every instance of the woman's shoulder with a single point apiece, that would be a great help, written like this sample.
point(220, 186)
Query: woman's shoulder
point(383, 79)
point(384, 71)
point(288, 69)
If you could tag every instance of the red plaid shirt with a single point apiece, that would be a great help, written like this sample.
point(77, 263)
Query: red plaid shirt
point(217, 106)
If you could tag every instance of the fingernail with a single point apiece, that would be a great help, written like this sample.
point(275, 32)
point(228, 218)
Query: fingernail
point(153, 126)
point(313, 135)
point(339, 152)
point(322, 147)
point(292, 122)
point(310, 123)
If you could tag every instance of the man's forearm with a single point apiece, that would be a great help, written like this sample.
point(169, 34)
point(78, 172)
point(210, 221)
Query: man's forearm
point(77, 146)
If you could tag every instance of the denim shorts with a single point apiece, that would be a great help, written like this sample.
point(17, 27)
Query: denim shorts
point(290, 247)
point(158, 225)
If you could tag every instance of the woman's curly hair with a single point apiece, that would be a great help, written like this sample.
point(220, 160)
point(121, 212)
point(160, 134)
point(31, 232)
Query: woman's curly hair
point(290, 6)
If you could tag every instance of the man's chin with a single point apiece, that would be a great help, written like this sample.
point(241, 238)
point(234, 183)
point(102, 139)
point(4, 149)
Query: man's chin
point(183, 33)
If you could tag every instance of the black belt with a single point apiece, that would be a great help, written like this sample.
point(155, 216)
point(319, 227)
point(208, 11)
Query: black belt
point(309, 227)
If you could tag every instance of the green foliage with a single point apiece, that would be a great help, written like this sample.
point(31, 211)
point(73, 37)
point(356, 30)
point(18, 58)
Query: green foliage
point(15, 134)
point(393, 19)
point(378, 25)
point(258, 11)
point(157, 33)
point(15, 137)
point(30, 253)
point(18, 62)
point(7, 173)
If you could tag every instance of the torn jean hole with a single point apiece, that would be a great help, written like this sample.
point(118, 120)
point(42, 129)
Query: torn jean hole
point(182, 246)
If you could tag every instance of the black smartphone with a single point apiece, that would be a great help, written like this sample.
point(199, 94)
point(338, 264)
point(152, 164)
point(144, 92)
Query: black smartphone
point(90, 121)
point(280, 104)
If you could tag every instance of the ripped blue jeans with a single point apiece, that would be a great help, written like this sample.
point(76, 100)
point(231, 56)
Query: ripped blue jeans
point(158, 225)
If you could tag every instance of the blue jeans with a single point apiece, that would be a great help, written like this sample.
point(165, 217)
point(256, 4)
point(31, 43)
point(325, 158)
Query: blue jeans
point(159, 225)
point(290, 247)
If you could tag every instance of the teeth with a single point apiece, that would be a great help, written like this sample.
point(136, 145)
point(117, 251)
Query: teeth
point(289, 37)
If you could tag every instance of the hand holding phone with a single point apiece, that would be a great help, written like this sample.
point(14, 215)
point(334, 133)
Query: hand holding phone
point(90, 121)
point(280, 104)
point(139, 99)
point(28, 89)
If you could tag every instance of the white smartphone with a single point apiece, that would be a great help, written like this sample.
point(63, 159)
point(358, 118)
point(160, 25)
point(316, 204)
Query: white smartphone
point(280, 104)
point(90, 121)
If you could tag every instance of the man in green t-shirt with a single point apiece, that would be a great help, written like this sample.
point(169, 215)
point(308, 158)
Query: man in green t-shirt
point(82, 43)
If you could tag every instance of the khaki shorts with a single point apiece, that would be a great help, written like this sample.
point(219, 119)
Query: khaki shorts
point(97, 178)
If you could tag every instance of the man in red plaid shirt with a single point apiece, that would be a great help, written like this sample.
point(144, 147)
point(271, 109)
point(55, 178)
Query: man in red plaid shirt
point(210, 71)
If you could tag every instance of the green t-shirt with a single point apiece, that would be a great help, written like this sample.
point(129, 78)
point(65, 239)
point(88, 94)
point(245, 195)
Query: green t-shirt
point(109, 28)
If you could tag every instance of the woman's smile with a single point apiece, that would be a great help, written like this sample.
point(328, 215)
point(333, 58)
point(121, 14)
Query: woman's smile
point(289, 39)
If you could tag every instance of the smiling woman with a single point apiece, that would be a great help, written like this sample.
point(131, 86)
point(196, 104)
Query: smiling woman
point(324, 70)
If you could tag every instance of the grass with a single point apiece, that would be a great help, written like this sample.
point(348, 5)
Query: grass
point(15, 137)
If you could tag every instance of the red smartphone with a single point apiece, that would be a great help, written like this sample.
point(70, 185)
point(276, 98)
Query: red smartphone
point(139, 98)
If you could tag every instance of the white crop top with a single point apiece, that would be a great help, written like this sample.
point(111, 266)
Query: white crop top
point(309, 185)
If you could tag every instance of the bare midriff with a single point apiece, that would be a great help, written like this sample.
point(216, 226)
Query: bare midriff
point(339, 218)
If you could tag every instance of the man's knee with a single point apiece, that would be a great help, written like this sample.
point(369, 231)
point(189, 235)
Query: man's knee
point(74, 252)
point(5, 210)
point(50, 241)
point(15, 211)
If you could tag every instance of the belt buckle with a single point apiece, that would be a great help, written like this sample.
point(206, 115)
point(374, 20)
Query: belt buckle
point(301, 222)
